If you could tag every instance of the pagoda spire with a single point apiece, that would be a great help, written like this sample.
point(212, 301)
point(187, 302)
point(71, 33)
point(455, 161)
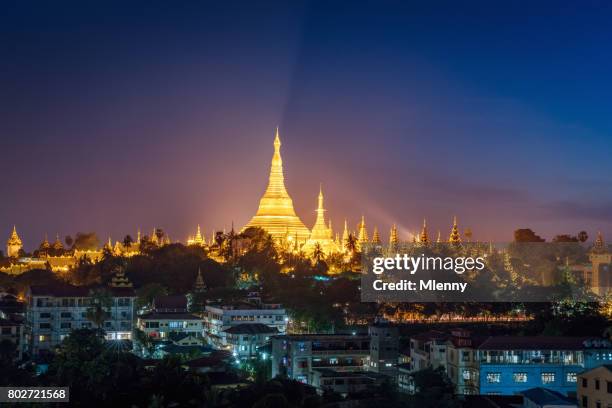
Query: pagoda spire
point(393, 238)
point(199, 286)
point(455, 237)
point(14, 244)
point(57, 245)
point(424, 237)
point(276, 213)
point(363, 232)
point(599, 246)
point(321, 233)
point(376, 236)
point(138, 236)
point(438, 239)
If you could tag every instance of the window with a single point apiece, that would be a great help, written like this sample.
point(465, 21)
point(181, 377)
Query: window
point(609, 385)
point(66, 315)
point(585, 401)
point(6, 330)
point(597, 383)
point(493, 378)
point(585, 383)
point(42, 338)
point(548, 378)
point(519, 377)
point(465, 356)
point(65, 325)
point(45, 315)
point(571, 377)
point(45, 326)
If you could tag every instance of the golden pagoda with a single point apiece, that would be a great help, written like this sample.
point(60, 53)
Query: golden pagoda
point(362, 237)
point(275, 213)
point(393, 237)
point(424, 237)
point(455, 237)
point(57, 245)
point(376, 236)
point(321, 233)
point(345, 237)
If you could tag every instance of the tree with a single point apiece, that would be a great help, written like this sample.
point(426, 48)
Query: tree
point(433, 389)
point(128, 241)
point(148, 293)
point(86, 241)
point(69, 241)
point(526, 235)
point(99, 311)
point(583, 236)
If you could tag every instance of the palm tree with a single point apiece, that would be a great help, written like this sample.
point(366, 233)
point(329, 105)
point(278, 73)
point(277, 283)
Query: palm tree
point(317, 253)
point(100, 308)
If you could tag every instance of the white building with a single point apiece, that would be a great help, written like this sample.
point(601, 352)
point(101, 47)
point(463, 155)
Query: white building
point(160, 325)
point(244, 339)
point(218, 318)
point(53, 311)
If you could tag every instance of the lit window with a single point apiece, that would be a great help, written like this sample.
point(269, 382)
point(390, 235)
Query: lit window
point(493, 378)
point(519, 377)
point(571, 377)
point(548, 378)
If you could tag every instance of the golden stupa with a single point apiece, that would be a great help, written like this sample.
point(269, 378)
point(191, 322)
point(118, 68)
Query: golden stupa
point(321, 233)
point(275, 213)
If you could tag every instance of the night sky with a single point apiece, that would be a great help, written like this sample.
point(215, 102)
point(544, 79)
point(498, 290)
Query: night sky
point(163, 113)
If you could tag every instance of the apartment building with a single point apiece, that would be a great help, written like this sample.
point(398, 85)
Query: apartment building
point(220, 317)
point(298, 355)
point(595, 387)
point(53, 311)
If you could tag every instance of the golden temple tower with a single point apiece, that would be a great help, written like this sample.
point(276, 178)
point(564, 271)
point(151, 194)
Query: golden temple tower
point(345, 236)
point(362, 238)
point(424, 237)
point(455, 237)
point(393, 238)
point(376, 236)
point(57, 245)
point(275, 213)
point(321, 233)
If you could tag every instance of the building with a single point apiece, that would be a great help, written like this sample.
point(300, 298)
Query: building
point(53, 311)
point(298, 355)
point(11, 330)
point(462, 363)
point(245, 339)
point(428, 350)
point(512, 364)
point(595, 387)
point(275, 213)
point(384, 348)
point(346, 382)
point(14, 245)
point(218, 318)
point(544, 398)
point(160, 325)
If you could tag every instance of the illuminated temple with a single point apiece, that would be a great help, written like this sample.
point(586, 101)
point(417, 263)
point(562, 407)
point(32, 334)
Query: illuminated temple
point(275, 213)
point(321, 234)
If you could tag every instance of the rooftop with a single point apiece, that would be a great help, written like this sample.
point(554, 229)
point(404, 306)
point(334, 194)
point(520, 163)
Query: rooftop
point(539, 343)
point(168, 316)
point(251, 328)
point(544, 396)
point(65, 290)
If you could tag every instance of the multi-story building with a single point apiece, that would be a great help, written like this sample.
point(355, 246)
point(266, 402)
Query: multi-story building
point(346, 382)
point(218, 318)
point(595, 387)
point(12, 330)
point(53, 311)
point(244, 340)
point(511, 364)
point(161, 325)
point(461, 361)
point(384, 348)
point(428, 350)
point(297, 355)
